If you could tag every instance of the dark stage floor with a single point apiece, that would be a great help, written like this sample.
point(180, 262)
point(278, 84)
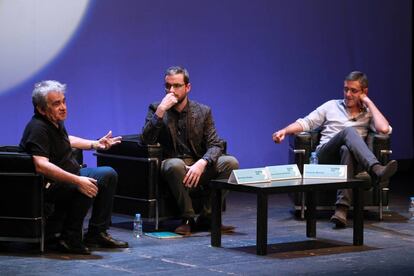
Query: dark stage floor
point(388, 247)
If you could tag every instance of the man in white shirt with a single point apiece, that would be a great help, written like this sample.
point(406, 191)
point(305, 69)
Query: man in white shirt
point(344, 125)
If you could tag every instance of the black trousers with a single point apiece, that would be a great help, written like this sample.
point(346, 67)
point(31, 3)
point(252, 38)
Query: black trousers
point(66, 209)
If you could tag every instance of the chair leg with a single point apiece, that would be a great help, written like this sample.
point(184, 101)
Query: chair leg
point(156, 215)
point(42, 234)
point(302, 207)
point(380, 204)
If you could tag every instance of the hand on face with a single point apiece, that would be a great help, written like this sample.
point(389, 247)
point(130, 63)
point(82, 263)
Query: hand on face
point(176, 90)
point(168, 101)
point(364, 98)
point(354, 95)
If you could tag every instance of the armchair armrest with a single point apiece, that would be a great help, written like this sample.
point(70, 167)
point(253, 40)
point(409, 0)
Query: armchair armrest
point(14, 160)
point(138, 167)
point(300, 147)
point(21, 188)
point(380, 144)
point(132, 146)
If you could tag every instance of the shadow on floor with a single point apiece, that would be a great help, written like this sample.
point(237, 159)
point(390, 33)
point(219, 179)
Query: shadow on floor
point(309, 248)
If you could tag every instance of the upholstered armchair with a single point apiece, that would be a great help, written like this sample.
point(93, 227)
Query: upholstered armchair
point(302, 144)
point(22, 207)
point(21, 198)
point(140, 188)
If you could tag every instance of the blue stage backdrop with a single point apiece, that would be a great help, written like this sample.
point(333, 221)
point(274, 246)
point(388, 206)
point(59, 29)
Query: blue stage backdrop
point(259, 64)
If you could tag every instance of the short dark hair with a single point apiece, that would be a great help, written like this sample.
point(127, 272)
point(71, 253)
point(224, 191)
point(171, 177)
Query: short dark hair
point(358, 76)
point(174, 70)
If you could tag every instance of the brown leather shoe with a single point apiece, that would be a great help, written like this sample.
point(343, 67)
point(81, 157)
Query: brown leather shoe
point(204, 224)
point(339, 218)
point(103, 240)
point(69, 246)
point(227, 228)
point(186, 227)
point(384, 173)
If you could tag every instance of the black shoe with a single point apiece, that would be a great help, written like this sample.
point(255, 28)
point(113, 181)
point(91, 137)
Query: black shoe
point(103, 240)
point(71, 247)
point(383, 173)
point(52, 239)
point(204, 224)
point(186, 227)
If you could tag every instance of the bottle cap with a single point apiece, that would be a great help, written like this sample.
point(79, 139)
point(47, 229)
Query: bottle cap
point(138, 215)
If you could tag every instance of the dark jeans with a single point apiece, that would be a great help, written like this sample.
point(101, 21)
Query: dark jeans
point(347, 148)
point(102, 204)
point(68, 207)
point(173, 171)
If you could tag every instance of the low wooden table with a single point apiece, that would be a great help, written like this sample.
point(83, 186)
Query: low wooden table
point(306, 185)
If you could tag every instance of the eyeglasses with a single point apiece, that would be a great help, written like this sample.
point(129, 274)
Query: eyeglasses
point(352, 90)
point(175, 85)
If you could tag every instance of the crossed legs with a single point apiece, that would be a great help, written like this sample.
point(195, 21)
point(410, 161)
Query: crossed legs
point(346, 148)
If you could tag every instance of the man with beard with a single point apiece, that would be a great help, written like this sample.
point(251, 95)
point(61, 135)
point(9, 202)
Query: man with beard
point(191, 146)
point(344, 125)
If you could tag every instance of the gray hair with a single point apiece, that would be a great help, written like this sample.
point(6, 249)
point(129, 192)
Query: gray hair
point(174, 70)
point(42, 89)
point(358, 76)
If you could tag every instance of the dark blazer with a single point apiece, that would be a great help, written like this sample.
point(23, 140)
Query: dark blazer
point(202, 134)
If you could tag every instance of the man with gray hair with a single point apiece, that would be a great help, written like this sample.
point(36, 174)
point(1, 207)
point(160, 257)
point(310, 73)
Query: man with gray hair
point(344, 123)
point(70, 189)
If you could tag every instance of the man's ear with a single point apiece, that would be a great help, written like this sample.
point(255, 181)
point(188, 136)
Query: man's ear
point(41, 111)
point(188, 87)
point(365, 91)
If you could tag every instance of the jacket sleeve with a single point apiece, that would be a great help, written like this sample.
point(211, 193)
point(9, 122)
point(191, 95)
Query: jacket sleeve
point(214, 144)
point(152, 127)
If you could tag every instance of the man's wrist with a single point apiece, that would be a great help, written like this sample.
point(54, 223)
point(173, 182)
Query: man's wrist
point(207, 161)
point(160, 111)
point(93, 145)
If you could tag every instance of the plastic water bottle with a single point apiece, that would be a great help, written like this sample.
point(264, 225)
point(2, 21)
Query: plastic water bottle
point(313, 158)
point(137, 231)
point(411, 208)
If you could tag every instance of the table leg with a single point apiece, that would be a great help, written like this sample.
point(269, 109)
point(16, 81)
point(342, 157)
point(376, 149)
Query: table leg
point(310, 215)
point(358, 216)
point(216, 218)
point(261, 234)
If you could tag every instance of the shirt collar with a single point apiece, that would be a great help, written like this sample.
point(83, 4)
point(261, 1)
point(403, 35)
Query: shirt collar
point(342, 103)
point(46, 120)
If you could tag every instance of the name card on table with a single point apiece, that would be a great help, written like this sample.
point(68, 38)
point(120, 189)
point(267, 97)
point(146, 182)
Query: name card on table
point(245, 176)
point(325, 171)
point(266, 174)
point(284, 172)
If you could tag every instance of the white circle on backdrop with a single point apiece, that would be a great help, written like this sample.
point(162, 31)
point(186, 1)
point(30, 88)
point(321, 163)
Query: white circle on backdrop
point(32, 34)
